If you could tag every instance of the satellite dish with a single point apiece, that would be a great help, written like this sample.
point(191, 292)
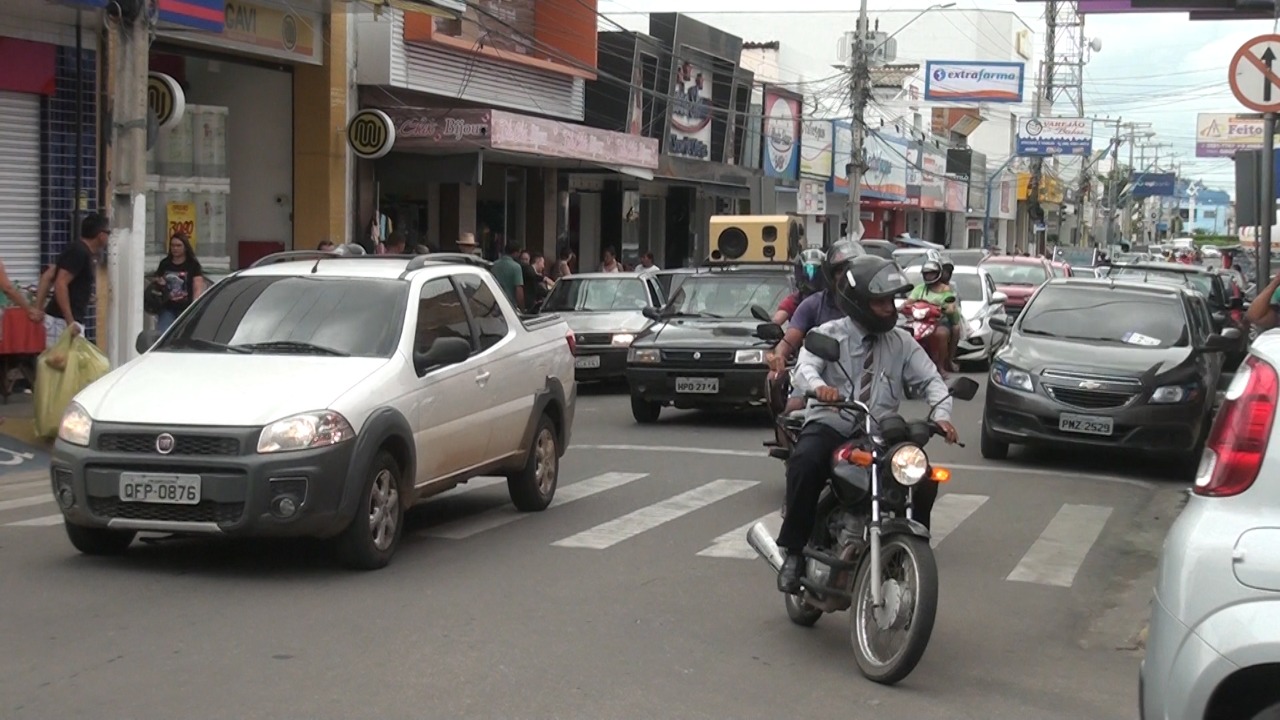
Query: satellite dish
point(1096, 44)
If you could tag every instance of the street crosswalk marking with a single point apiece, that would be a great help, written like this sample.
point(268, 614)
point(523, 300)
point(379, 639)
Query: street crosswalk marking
point(611, 533)
point(25, 502)
point(46, 521)
point(475, 524)
point(1057, 554)
point(949, 511)
point(733, 544)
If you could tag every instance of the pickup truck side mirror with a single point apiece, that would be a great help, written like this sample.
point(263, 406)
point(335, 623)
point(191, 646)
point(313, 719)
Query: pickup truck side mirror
point(761, 314)
point(998, 298)
point(444, 351)
point(824, 346)
point(145, 340)
point(652, 313)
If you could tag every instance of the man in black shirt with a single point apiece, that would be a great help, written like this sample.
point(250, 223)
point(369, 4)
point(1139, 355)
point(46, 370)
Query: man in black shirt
point(73, 283)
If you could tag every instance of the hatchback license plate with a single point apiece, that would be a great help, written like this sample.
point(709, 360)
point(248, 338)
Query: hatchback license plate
point(160, 489)
point(698, 386)
point(1085, 424)
point(587, 361)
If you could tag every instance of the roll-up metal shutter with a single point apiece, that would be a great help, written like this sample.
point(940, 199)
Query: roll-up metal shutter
point(20, 186)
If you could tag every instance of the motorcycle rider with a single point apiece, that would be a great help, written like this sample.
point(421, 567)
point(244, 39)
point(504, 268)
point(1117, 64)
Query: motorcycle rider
point(808, 282)
point(816, 309)
point(936, 291)
point(882, 360)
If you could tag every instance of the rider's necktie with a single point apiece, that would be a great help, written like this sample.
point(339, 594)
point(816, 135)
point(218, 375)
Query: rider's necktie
point(868, 372)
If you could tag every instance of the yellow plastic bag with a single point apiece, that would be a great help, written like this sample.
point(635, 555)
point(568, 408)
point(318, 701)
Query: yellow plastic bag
point(62, 371)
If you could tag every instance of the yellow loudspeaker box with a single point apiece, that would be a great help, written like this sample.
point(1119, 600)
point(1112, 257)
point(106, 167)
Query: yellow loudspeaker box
point(755, 238)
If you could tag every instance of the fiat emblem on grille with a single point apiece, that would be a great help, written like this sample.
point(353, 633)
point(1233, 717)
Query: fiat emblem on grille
point(697, 356)
point(1089, 385)
point(164, 443)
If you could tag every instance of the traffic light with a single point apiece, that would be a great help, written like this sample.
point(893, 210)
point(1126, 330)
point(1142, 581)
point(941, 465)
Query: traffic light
point(755, 238)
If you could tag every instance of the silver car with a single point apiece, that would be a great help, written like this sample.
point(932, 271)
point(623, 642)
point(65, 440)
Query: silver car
point(605, 312)
point(1213, 648)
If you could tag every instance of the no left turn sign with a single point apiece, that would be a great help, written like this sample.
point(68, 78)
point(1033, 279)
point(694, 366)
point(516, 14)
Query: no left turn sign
point(1255, 74)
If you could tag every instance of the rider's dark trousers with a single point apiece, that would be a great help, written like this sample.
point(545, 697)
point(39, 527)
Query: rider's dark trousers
point(807, 472)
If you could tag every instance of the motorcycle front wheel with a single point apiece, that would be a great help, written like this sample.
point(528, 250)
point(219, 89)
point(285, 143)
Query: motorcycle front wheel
point(889, 641)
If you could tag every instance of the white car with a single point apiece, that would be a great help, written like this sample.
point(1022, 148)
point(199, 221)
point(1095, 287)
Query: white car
point(979, 302)
point(1213, 648)
point(317, 395)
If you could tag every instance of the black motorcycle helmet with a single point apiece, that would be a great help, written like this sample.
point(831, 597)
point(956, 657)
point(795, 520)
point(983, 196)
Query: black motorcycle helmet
point(948, 269)
point(838, 254)
point(809, 271)
point(863, 280)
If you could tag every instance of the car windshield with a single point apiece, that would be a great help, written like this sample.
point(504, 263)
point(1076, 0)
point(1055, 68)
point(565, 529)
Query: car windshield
point(725, 296)
point(1059, 271)
point(1137, 319)
point(1016, 273)
point(286, 314)
point(1200, 282)
point(597, 295)
point(958, 258)
point(965, 285)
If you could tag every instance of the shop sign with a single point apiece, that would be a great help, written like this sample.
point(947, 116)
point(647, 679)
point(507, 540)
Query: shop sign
point(263, 28)
point(445, 127)
point(166, 99)
point(815, 148)
point(1007, 203)
point(933, 178)
point(371, 134)
point(967, 81)
point(207, 15)
point(956, 196)
point(180, 217)
point(781, 134)
point(886, 173)
point(841, 154)
point(1040, 137)
point(811, 198)
point(690, 121)
point(1224, 134)
point(553, 138)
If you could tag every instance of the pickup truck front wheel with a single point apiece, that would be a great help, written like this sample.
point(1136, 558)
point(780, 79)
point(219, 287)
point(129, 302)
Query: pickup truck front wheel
point(534, 486)
point(374, 533)
point(644, 411)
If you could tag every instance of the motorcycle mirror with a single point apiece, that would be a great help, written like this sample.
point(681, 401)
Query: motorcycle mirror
point(770, 332)
point(824, 346)
point(761, 314)
point(964, 388)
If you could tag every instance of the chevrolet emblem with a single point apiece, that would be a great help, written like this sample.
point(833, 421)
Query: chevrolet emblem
point(1090, 385)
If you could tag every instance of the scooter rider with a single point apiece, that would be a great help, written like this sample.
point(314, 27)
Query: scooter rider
point(882, 360)
point(808, 282)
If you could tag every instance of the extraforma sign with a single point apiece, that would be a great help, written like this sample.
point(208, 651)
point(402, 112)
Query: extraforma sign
point(966, 81)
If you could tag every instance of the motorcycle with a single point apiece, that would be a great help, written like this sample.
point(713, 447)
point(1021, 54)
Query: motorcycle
point(785, 427)
point(865, 527)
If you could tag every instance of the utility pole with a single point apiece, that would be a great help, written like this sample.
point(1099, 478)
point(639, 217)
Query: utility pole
point(130, 40)
point(1111, 188)
point(857, 157)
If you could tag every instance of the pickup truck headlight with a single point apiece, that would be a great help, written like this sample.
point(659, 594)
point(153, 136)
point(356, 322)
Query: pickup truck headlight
point(1011, 377)
point(305, 431)
point(645, 355)
point(76, 426)
point(1173, 394)
point(749, 357)
point(622, 340)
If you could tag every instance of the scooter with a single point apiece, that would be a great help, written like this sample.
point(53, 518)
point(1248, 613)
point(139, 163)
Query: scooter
point(922, 318)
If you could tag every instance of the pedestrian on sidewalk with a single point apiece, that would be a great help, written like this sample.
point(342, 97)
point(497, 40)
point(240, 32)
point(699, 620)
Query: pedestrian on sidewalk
point(74, 279)
point(182, 278)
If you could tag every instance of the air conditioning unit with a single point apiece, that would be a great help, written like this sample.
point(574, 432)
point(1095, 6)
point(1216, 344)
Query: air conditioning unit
point(755, 238)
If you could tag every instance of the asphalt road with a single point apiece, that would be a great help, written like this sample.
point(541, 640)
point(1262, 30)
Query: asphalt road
point(617, 602)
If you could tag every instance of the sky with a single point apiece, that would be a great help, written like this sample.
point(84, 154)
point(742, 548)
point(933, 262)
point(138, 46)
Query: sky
point(1158, 68)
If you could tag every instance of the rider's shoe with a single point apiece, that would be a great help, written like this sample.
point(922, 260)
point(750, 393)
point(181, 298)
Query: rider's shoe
point(789, 576)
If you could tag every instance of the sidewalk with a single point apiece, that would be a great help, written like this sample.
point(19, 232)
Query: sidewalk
point(18, 416)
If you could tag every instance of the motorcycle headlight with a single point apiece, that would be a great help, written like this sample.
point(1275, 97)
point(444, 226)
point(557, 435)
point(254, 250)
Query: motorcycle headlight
point(622, 339)
point(76, 426)
point(636, 355)
point(749, 357)
point(909, 464)
point(305, 431)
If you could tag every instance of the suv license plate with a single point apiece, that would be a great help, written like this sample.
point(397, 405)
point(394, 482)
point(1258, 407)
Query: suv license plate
point(160, 489)
point(1085, 424)
point(698, 386)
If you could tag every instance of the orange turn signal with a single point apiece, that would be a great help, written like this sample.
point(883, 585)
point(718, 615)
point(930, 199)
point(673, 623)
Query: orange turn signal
point(861, 458)
point(941, 474)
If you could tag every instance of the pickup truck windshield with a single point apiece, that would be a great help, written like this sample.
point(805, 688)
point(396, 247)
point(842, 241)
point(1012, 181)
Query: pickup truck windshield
point(597, 295)
point(278, 315)
point(725, 296)
point(1113, 317)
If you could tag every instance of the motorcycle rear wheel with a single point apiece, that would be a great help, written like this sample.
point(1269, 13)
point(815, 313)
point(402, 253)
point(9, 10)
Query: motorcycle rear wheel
point(911, 587)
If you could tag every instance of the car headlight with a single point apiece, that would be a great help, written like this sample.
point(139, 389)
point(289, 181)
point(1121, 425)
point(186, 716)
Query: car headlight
point(622, 339)
point(305, 431)
point(749, 357)
point(1012, 378)
point(637, 355)
point(909, 464)
point(1173, 394)
point(76, 426)
point(975, 326)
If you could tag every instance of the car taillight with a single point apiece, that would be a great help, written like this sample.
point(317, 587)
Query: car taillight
point(1238, 441)
point(573, 342)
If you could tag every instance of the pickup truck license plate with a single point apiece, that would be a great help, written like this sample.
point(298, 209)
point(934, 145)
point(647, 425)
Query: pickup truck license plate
point(698, 386)
point(162, 489)
point(1085, 424)
point(587, 361)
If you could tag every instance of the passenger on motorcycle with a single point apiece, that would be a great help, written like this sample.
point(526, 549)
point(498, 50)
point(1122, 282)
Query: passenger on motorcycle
point(816, 309)
point(883, 361)
point(808, 282)
point(936, 291)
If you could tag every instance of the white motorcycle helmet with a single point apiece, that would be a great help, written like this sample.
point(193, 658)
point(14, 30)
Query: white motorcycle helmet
point(931, 271)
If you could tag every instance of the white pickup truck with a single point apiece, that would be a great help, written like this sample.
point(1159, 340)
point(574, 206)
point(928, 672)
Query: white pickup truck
point(318, 395)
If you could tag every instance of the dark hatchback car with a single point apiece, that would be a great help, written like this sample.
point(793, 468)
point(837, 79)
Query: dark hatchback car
point(1227, 311)
point(1099, 363)
point(702, 350)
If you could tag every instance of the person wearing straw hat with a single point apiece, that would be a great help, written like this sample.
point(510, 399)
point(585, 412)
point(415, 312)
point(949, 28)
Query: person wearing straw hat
point(467, 244)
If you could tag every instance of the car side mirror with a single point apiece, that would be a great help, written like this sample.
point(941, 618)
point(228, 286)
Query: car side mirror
point(998, 298)
point(770, 332)
point(444, 351)
point(651, 312)
point(963, 388)
point(824, 346)
point(1219, 318)
point(999, 323)
point(761, 314)
point(145, 340)
point(1223, 341)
